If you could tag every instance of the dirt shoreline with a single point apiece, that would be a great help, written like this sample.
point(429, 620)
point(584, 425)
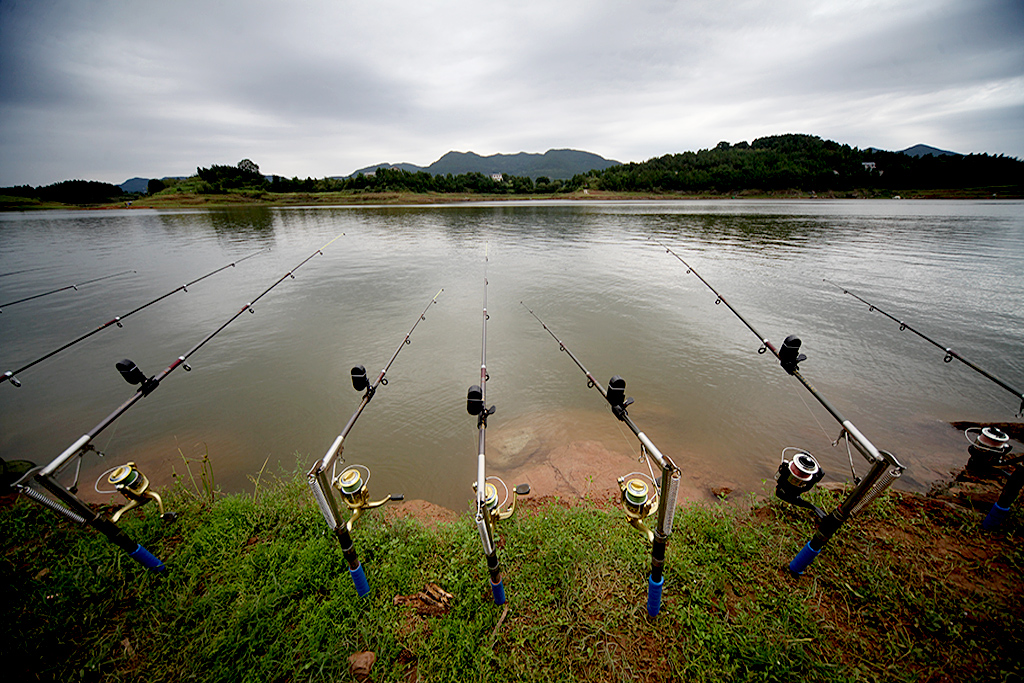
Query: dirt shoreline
point(577, 472)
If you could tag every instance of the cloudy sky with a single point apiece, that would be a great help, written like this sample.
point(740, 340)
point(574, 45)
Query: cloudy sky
point(111, 89)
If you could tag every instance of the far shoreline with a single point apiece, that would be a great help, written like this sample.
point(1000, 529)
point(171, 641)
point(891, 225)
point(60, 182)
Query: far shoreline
point(359, 198)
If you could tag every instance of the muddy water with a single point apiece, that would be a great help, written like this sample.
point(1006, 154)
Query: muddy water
point(274, 386)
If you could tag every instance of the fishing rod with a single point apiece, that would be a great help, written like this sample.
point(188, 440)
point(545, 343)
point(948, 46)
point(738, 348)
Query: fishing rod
point(12, 375)
point(350, 482)
point(799, 475)
point(635, 500)
point(126, 478)
point(66, 287)
point(18, 272)
point(950, 353)
point(488, 510)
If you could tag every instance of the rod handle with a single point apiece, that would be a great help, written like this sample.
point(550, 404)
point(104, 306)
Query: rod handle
point(148, 559)
point(803, 559)
point(654, 596)
point(498, 591)
point(359, 579)
point(995, 517)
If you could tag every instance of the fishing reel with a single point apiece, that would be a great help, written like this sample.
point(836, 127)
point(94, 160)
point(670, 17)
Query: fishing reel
point(353, 489)
point(796, 477)
point(498, 511)
point(134, 486)
point(638, 504)
point(988, 448)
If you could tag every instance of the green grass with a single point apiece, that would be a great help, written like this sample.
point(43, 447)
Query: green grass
point(258, 591)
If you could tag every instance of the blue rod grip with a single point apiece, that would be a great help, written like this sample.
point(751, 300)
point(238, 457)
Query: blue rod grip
point(995, 517)
point(803, 559)
point(147, 559)
point(654, 596)
point(359, 579)
point(498, 591)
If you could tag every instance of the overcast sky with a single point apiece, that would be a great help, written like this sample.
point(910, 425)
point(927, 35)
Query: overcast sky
point(110, 89)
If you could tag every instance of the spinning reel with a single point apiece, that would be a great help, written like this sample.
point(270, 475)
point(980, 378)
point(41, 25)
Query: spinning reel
point(638, 505)
point(134, 486)
point(796, 477)
point(357, 496)
point(989, 448)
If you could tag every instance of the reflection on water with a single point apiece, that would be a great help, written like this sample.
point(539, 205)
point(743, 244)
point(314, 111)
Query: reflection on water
point(274, 386)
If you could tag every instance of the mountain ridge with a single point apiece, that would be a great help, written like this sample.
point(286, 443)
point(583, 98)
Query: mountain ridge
point(922, 150)
point(556, 164)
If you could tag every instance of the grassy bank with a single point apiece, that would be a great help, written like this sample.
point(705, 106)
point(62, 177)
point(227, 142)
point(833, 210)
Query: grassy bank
point(911, 591)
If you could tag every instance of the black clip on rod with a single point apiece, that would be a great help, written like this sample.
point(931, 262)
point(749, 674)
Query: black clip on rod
point(670, 474)
point(885, 468)
point(67, 502)
point(350, 483)
point(12, 375)
point(950, 353)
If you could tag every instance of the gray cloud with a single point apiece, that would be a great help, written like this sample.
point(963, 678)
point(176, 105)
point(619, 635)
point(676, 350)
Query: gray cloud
point(112, 89)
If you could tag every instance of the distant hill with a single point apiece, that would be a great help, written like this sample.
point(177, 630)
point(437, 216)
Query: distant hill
point(781, 163)
point(927, 151)
point(411, 168)
point(556, 164)
point(134, 185)
point(142, 184)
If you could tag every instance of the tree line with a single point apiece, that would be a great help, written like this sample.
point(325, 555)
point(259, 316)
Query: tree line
point(776, 163)
point(67, 192)
point(808, 163)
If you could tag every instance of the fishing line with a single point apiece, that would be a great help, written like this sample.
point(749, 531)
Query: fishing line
point(26, 270)
point(950, 354)
point(798, 476)
point(636, 502)
point(488, 510)
point(12, 375)
point(61, 289)
point(835, 442)
point(351, 484)
point(126, 478)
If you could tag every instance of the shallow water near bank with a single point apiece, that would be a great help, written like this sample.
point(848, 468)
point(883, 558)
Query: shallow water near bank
point(274, 387)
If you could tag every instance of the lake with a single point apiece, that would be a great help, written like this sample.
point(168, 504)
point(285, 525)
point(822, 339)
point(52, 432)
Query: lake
point(273, 389)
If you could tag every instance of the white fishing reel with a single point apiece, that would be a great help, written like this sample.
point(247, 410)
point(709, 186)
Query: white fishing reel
point(988, 447)
point(796, 477)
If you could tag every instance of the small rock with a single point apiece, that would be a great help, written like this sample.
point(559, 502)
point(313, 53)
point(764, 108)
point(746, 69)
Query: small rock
point(360, 664)
point(721, 491)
